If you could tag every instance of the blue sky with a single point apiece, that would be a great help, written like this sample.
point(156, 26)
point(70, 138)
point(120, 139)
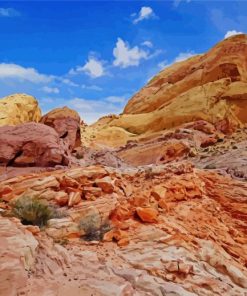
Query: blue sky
point(93, 56)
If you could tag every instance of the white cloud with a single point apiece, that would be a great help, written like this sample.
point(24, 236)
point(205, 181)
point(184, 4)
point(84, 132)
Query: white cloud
point(50, 90)
point(232, 33)
point(145, 13)
point(162, 64)
point(125, 56)
point(91, 110)
point(115, 99)
point(93, 67)
point(13, 71)
point(91, 87)
point(68, 82)
point(8, 12)
point(183, 56)
point(147, 43)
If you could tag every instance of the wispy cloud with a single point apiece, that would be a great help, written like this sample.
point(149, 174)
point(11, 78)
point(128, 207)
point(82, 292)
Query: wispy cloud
point(50, 90)
point(9, 12)
point(147, 43)
point(145, 13)
point(182, 56)
point(14, 71)
point(91, 87)
point(224, 22)
point(177, 2)
point(67, 81)
point(91, 110)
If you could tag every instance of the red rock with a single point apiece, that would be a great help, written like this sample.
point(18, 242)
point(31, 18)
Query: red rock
point(31, 144)
point(149, 215)
point(66, 122)
point(5, 190)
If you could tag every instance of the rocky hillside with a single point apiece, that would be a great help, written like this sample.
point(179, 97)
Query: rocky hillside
point(151, 202)
point(210, 87)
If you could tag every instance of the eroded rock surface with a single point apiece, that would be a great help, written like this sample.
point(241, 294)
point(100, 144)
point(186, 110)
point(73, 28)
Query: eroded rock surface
point(66, 122)
point(176, 232)
point(32, 144)
point(210, 87)
point(19, 108)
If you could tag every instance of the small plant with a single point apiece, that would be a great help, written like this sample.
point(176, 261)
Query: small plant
point(32, 211)
point(210, 166)
point(62, 241)
point(148, 173)
point(92, 228)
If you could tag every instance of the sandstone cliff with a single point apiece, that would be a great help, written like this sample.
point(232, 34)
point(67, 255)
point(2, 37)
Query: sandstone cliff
point(210, 87)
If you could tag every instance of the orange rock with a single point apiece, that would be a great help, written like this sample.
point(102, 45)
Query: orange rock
point(74, 198)
point(106, 184)
point(33, 229)
point(123, 242)
point(121, 212)
point(147, 214)
point(163, 204)
point(66, 181)
point(116, 234)
point(140, 201)
point(158, 192)
point(62, 198)
point(92, 191)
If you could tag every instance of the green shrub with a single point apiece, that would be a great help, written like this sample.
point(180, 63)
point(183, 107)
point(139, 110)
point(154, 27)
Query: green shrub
point(32, 211)
point(92, 228)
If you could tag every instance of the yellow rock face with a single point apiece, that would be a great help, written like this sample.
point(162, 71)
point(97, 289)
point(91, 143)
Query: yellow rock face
point(211, 86)
point(19, 108)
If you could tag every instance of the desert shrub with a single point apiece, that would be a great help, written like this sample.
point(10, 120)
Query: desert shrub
point(210, 166)
point(62, 241)
point(148, 173)
point(32, 211)
point(92, 228)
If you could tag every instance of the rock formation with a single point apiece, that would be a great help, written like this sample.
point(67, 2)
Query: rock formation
point(19, 108)
point(32, 144)
point(210, 87)
point(66, 122)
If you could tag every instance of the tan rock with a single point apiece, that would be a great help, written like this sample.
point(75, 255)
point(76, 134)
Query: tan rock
point(61, 198)
point(158, 192)
point(74, 198)
point(19, 108)
point(182, 93)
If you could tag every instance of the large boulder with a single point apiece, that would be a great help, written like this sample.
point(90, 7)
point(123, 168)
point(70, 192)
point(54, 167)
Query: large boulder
point(19, 108)
point(67, 124)
point(32, 144)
